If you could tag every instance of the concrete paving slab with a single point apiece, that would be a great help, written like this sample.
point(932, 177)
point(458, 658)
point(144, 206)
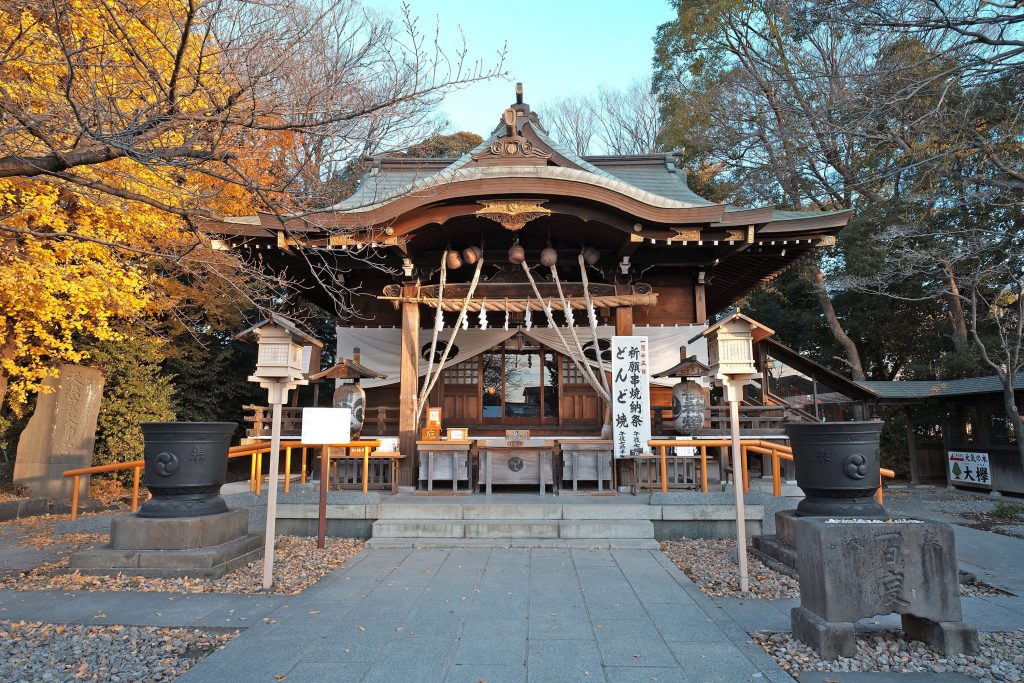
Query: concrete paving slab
point(474, 673)
point(631, 642)
point(557, 661)
point(645, 674)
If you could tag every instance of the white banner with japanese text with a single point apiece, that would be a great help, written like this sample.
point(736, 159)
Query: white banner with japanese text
point(631, 395)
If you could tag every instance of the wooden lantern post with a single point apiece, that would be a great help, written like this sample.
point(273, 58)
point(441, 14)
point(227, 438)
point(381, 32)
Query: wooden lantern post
point(279, 369)
point(731, 355)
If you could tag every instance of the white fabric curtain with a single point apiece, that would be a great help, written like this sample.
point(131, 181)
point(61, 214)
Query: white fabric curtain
point(664, 343)
point(380, 347)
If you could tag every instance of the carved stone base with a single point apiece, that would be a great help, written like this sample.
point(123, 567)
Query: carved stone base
point(208, 546)
point(830, 639)
point(952, 637)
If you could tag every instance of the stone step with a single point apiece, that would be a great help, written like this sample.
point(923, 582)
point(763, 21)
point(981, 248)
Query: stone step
point(777, 549)
point(581, 543)
point(513, 528)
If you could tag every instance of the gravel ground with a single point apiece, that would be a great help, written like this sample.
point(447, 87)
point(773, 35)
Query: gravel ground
point(1001, 657)
point(298, 564)
point(709, 563)
point(33, 651)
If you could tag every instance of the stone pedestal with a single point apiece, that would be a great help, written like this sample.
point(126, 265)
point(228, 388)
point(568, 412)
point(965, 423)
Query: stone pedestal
point(61, 434)
point(852, 569)
point(208, 546)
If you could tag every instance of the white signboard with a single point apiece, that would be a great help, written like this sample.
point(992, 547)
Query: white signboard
point(966, 467)
point(326, 425)
point(631, 395)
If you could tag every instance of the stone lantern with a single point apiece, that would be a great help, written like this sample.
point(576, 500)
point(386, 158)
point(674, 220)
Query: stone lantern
point(688, 404)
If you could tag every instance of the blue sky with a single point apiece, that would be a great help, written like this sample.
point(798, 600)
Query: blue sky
point(555, 47)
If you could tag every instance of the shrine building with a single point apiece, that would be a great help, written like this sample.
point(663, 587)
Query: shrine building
point(489, 250)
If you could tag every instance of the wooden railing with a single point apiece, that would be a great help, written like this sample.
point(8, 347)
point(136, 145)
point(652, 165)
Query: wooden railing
point(136, 465)
point(777, 452)
point(757, 419)
point(380, 419)
point(253, 451)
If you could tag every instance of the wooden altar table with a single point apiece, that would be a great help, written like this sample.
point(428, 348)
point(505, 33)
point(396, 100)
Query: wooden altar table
point(518, 464)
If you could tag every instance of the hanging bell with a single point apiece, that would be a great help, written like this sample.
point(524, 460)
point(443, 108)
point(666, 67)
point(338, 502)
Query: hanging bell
point(591, 256)
point(548, 257)
point(470, 255)
point(453, 260)
point(516, 253)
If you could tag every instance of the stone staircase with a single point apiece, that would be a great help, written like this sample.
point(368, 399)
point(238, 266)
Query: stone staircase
point(522, 525)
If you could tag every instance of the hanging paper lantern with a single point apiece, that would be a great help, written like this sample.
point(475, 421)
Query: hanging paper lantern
point(528, 319)
point(687, 407)
point(516, 253)
point(453, 260)
point(353, 397)
point(591, 256)
point(471, 255)
point(548, 257)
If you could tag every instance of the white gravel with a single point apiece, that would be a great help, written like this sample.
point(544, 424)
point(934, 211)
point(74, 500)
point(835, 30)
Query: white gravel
point(1001, 657)
point(34, 651)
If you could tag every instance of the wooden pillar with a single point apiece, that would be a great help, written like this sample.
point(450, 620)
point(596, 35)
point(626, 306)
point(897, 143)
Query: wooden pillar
point(915, 475)
point(700, 303)
point(409, 387)
point(623, 314)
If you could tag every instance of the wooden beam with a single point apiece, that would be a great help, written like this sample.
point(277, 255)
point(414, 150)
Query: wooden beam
point(409, 386)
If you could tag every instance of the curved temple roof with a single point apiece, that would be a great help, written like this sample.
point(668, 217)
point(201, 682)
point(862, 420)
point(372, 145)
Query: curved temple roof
point(644, 199)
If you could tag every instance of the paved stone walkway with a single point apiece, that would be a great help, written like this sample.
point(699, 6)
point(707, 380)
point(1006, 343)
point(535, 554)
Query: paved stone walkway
point(472, 614)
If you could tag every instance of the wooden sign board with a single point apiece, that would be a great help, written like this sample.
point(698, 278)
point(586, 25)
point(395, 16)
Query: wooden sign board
point(457, 434)
point(326, 425)
point(430, 434)
point(434, 417)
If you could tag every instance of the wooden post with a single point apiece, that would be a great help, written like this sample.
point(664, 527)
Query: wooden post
point(287, 469)
point(915, 475)
point(700, 304)
point(409, 380)
point(135, 490)
point(303, 464)
point(704, 469)
point(74, 498)
point(321, 530)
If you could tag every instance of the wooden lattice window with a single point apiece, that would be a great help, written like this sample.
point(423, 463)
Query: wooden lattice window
point(466, 372)
point(571, 374)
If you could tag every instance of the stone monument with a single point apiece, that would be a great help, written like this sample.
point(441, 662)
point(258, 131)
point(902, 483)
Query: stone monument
point(854, 560)
point(61, 433)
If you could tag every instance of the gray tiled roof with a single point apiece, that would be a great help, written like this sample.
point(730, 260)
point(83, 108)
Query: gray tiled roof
point(921, 389)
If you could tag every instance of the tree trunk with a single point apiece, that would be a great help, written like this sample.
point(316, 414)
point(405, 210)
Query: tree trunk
point(852, 355)
point(956, 309)
point(1010, 404)
point(3, 391)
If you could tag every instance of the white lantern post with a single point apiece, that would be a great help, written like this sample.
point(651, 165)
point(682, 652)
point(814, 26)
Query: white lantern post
point(731, 357)
point(279, 368)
